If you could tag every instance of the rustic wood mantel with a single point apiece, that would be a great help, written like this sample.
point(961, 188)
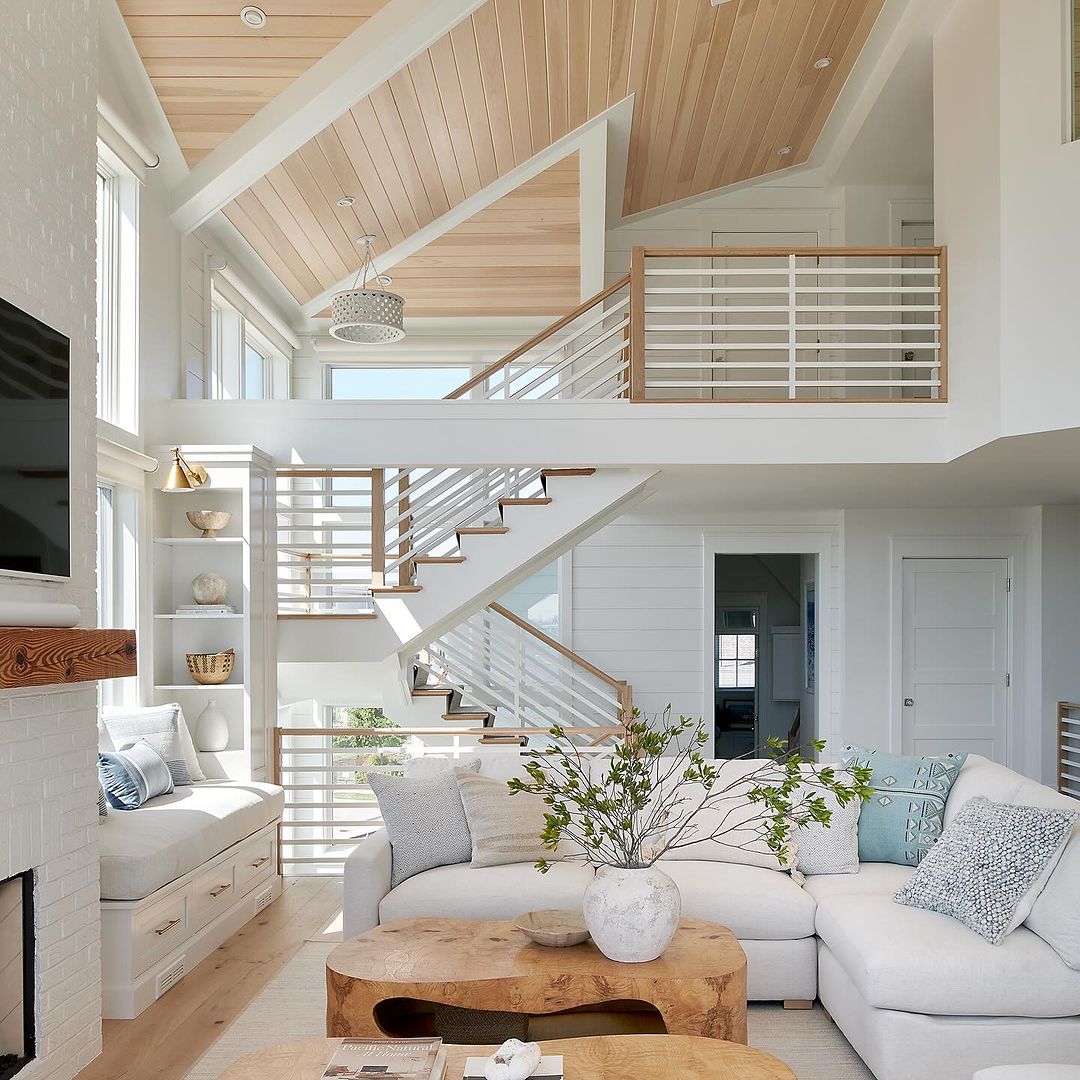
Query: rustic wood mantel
point(44, 656)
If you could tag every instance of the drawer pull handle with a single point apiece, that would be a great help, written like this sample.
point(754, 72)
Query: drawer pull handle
point(260, 862)
point(224, 887)
point(167, 927)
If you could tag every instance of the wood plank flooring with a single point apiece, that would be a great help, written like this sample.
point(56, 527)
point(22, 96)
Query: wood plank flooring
point(166, 1041)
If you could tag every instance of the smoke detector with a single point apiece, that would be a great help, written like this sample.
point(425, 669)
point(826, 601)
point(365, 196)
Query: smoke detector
point(823, 62)
point(346, 200)
point(254, 18)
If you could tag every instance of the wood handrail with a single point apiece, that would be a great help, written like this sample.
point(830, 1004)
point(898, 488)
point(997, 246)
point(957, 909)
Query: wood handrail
point(697, 253)
point(536, 339)
point(603, 676)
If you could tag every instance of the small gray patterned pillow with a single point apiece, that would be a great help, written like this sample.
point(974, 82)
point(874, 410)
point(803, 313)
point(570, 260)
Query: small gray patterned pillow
point(832, 848)
point(990, 865)
point(425, 821)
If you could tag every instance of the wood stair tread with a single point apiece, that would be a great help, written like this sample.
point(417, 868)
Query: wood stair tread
point(396, 588)
point(537, 500)
point(467, 715)
point(434, 559)
point(567, 472)
point(431, 691)
point(483, 530)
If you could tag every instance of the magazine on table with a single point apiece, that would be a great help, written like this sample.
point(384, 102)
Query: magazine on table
point(387, 1059)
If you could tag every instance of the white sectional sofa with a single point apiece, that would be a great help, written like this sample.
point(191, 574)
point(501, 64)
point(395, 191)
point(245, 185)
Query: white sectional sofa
point(179, 876)
point(916, 993)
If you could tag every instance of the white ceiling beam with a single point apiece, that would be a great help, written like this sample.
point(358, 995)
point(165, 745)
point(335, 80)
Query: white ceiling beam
point(369, 56)
point(610, 126)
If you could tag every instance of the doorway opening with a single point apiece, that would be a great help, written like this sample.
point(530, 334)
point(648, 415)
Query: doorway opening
point(764, 659)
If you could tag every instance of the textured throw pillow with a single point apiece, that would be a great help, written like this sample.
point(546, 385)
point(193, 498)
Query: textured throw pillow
point(132, 776)
point(832, 848)
point(505, 828)
point(424, 820)
point(160, 726)
point(906, 812)
point(987, 869)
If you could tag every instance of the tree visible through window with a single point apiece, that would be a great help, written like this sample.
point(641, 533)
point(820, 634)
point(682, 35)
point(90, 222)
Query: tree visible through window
point(373, 749)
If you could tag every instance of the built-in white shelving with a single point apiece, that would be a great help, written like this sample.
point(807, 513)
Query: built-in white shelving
point(197, 541)
point(203, 618)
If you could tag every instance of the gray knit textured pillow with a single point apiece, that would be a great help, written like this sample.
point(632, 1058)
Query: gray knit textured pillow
point(990, 865)
point(425, 821)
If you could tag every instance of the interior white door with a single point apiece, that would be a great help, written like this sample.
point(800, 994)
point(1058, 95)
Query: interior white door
point(955, 656)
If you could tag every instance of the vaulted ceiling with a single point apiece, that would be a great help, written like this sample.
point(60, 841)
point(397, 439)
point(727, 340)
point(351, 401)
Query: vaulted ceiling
point(721, 94)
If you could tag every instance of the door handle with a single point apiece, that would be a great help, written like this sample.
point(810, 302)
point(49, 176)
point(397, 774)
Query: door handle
point(908, 702)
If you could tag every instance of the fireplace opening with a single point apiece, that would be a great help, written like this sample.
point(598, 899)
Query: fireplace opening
point(16, 973)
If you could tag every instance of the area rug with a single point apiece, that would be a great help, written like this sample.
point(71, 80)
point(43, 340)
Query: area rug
point(293, 1006)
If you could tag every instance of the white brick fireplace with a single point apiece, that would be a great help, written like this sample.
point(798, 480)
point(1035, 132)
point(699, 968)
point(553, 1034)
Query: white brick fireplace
point(48, 743)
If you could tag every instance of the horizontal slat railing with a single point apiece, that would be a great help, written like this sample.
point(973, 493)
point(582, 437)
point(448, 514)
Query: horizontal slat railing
point(583, 355)
point(1068, 746)
point(788, 324)
point(329, 804)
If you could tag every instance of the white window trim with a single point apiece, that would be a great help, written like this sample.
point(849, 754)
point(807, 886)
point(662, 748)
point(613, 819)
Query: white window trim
point(231, 331)
point(121, 573)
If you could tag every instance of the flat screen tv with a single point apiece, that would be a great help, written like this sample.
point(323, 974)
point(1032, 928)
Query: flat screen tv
point(35, 496)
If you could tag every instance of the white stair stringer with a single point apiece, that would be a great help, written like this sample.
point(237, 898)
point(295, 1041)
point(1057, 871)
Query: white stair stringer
point(450, 593)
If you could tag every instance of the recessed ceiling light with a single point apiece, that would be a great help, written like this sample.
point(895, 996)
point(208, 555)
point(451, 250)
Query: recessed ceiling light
point(783, 151)
point(346, 200)
point(254, 18)
point(822, 62)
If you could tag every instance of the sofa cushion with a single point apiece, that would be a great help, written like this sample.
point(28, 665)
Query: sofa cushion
point(875, 879)
point(751, 901)
point(171, 835)
point(922, 962)
point(486, 892)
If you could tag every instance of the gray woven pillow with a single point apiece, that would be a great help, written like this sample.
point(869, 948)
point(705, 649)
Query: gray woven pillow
point(990, 865)
point(425, 821)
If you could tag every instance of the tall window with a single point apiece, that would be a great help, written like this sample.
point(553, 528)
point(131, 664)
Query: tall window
point(117, 563)
point(106, 556)
point(408, 381)
point(253, 376)
point(117, 292)
point(244, 364)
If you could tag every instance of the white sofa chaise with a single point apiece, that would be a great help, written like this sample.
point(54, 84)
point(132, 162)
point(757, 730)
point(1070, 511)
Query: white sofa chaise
point(179, 876)
point(916, 993)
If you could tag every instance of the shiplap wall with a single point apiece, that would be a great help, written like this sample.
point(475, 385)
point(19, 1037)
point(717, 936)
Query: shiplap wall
point(194, 317)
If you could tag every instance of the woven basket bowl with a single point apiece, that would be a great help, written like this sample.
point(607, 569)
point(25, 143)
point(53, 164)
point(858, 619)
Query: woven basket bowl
point(210, 668)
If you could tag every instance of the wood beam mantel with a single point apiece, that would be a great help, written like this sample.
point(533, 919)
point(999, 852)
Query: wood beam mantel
point(43, 656)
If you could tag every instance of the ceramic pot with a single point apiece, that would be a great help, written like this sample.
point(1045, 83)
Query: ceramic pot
point(211, 729)
point(210, 589)
point(631, 914)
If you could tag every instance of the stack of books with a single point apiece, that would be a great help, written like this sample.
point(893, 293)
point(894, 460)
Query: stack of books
point(388, 1059)
point(206, 609)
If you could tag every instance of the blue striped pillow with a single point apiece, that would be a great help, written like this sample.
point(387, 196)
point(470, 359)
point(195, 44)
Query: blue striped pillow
point(132, 776)
point(160, 728)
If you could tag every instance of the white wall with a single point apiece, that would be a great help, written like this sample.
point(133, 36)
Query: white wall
point(48, 739)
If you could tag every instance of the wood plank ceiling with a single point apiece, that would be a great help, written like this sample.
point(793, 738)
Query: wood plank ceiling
point(722, 94)
point(212, 73)
point(519, 256)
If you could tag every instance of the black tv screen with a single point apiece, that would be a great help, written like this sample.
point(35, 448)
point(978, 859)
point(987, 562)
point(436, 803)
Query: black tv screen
point(35, 511)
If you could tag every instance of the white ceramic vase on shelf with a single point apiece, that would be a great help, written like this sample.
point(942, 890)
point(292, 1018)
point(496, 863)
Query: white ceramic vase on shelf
point(631, 914)
point(211, 729)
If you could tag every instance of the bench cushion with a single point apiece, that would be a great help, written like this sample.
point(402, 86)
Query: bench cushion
point(922, 962)
point(169, 836)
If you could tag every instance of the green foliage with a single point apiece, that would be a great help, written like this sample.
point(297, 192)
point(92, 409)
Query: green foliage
point(642, 807)
point(367, 718)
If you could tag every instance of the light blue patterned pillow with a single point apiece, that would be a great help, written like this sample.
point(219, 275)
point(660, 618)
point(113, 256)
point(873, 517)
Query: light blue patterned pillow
point(133, 775)
point(160, 728)
point(906, 813)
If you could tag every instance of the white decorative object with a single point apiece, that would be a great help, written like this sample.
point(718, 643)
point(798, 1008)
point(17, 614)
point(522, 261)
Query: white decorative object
point(211, 729)
point(34, 613)
point(514, 1060)
point(631, 913)
point(210, 589)
point(366, 316)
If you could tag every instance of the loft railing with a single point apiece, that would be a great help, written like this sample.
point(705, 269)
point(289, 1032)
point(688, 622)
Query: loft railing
point(1068, 756)
point(745, 325)
point(529, 681)
point(346, 533)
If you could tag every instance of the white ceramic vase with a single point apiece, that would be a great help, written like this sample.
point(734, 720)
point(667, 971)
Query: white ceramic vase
point(631, 914)
point(211, 729)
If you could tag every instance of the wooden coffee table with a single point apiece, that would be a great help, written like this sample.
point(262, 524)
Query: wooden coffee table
point(380, 982)
point(606, 1057)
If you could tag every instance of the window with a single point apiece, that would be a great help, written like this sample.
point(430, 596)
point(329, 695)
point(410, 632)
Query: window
point(117, 567)
point(407, 382)
point(106, 556)
point(736, 661)
point(253, 376)
point(117, 293)
point(244, 364)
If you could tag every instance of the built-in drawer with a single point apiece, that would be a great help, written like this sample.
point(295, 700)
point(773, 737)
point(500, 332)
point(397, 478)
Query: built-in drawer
point(257, 859)
point(212, 892)
point(160, 928)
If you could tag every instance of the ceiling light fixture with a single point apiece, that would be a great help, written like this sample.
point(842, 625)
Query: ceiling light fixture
point(254, 18)
point(366, 316)
point(783, 151)
point(346, 200)
point(822, 62)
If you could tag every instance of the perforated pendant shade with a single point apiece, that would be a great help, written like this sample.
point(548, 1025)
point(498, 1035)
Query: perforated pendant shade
point(367, 316)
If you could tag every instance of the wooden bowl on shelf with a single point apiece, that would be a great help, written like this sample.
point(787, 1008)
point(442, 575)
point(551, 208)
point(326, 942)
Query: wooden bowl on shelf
point(208, 521)
point(211, 669)
point(554, 928)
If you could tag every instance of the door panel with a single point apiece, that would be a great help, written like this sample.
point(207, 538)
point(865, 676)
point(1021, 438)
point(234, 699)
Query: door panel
point(955, 656)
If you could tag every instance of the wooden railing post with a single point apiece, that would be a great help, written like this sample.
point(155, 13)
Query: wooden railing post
point(405, 571)
point(637, 324)
point(378, 527)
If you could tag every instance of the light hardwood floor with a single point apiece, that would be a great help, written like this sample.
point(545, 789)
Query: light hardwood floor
point(167, 1040)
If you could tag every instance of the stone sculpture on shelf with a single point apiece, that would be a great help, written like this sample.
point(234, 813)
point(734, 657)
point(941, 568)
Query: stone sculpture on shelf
point(210, 589)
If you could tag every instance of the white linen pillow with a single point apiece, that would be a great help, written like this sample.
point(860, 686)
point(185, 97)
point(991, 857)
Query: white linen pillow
point(126, 723)
point(1055, 915)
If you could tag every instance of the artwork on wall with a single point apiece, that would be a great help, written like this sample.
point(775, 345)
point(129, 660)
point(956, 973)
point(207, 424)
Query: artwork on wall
point(811, 636)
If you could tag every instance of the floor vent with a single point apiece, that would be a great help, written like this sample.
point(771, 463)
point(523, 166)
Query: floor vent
point(170, 977)
point(264, 898)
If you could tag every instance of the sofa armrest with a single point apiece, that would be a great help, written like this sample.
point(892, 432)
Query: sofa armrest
point(367, 881)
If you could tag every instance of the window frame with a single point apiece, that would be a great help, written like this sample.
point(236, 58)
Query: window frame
point(118, 554)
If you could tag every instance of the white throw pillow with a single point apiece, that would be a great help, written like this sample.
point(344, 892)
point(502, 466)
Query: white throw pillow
point(118, 722)
point(1055, 915)
point(832, 848)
